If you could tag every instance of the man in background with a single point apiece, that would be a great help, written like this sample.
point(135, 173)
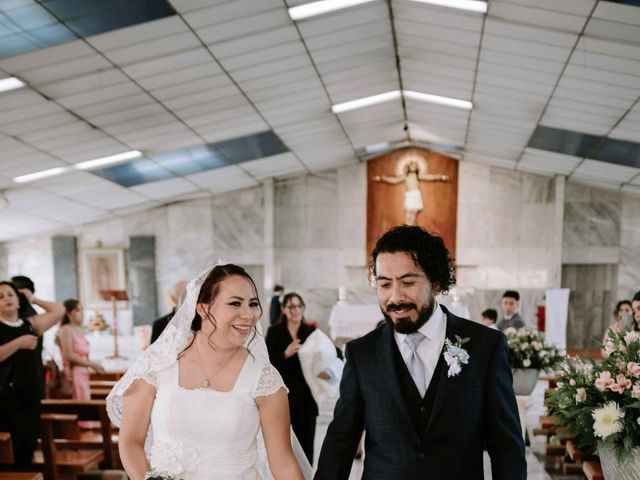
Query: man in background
point(489, 318)
point(511, 317)
point(275, 309)
point(160, 324)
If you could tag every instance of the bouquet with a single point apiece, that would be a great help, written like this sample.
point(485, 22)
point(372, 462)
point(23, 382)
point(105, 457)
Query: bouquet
point(529, 349)
point(600, 402)
point(97, 323)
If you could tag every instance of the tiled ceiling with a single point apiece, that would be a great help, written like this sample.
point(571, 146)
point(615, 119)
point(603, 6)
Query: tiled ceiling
point(196, 84)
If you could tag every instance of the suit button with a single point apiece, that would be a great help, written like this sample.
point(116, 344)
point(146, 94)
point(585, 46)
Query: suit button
point(423, 409)
point(421, 455)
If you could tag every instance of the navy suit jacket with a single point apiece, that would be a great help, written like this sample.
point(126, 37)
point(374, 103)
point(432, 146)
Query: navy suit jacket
point(474, 409)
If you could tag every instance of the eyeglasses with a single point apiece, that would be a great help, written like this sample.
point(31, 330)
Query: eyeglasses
point(294, 306)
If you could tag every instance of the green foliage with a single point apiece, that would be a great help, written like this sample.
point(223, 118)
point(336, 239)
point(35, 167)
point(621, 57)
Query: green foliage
point(529, 349)
point(585, 387)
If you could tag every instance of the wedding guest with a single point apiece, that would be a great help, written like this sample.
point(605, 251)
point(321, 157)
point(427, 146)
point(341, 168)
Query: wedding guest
point(20, 377)
point(283, 342)
point(205, 391)
point(275, 309)
point(26, 290)
point(174, 297)
point(74, 348)
point(511, 317)
point(489, 318)
point(635, 305)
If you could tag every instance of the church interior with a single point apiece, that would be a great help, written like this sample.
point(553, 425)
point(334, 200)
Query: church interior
point(143, 141)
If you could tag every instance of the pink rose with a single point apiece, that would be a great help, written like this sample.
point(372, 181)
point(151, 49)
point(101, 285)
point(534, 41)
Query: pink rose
point(603, 381)
point(633, 369)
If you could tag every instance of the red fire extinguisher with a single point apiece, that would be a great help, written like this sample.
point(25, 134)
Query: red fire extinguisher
point(540, 313)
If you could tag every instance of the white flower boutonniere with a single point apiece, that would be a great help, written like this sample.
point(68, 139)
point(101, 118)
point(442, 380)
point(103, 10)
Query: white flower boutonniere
point(455, 355)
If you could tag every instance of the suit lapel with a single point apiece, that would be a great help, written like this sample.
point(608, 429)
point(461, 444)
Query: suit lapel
point(384, 347)
point(453, 329)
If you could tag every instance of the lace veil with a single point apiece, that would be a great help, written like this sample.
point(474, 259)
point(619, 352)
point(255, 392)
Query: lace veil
point(164, 352)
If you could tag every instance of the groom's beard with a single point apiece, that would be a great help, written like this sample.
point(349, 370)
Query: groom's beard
point(406, 325)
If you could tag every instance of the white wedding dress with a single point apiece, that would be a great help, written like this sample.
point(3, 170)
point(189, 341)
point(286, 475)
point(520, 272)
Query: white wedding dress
point(204, 434)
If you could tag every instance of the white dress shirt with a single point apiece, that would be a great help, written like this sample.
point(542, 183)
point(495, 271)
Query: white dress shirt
point(430, 348)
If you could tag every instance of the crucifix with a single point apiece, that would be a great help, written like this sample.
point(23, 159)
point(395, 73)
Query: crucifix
point(412, 169)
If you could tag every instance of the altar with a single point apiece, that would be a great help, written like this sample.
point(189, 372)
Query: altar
point(347, 322)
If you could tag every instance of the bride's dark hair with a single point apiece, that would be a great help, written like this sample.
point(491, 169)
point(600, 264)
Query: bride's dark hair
point(208, 293)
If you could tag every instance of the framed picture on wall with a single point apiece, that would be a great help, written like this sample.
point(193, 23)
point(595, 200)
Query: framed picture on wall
point(101, 269)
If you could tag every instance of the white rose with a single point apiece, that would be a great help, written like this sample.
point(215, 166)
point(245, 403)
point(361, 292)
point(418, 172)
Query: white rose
point(526, 363)
point(581, 395)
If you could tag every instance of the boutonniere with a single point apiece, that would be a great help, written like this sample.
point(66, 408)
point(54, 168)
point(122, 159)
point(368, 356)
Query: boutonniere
point(455, 355)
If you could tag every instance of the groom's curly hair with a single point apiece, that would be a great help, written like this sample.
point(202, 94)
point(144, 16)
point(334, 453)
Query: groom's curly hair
point(427, 250)
point(208, 293)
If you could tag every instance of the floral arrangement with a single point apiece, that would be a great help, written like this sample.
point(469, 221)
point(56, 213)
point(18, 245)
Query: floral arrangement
point(600, 402)
point(455, 355)
point(97, 323)
point(529, 349)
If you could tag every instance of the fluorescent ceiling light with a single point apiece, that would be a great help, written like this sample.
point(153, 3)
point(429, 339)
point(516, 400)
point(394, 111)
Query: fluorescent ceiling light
point(10, 83)
point(449, 102)
point(38, 175)
point(392, 95)
point(471, 5)
point(323, 6)
point(365, 102)
point(100, 162)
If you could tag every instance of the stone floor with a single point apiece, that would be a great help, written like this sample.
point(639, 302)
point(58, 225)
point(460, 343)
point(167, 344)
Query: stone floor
point(538, 466)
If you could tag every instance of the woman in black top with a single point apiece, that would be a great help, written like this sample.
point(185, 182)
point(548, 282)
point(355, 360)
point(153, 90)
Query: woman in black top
point(20, 369)
point(284, 339)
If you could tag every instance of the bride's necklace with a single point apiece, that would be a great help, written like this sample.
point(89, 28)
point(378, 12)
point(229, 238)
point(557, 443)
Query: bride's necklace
point(207, 379)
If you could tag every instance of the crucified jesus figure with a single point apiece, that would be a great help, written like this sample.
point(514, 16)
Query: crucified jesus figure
point(413, 170)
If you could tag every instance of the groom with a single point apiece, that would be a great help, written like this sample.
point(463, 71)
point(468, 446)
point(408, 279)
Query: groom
point(432, 390)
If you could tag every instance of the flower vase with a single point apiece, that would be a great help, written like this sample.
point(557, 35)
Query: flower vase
point(524, 380)
point(626, 467)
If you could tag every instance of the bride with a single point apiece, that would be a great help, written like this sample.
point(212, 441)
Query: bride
point(192, 405)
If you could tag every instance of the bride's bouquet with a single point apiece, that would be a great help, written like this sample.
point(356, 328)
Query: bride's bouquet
point(599, 403)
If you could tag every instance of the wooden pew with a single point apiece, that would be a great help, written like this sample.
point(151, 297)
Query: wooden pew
point(92, 410)
point(592, 470)
point(99, 393)
point(573, 459)
point(110, 376)
point(63, 464)
point(592, 353)
point(21, 476)
point(101, 383)
point(6, 449)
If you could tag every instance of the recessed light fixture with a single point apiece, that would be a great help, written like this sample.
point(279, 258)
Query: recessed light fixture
point(392, 95)
point(449, 102)
point(101, 162)
point(324, 6)
point(10, 83)
point(38, 175)
point(365, 102)
point(98, 162)
point(471, 5)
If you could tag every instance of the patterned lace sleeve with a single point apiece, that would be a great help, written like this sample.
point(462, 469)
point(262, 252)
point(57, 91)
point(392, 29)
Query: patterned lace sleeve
point(269, 381)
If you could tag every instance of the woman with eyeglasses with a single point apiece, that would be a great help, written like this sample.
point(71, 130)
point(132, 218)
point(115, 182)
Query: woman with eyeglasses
point(284, 339)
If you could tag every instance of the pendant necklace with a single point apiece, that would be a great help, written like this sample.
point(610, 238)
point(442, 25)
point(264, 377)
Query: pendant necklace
point(207, 380)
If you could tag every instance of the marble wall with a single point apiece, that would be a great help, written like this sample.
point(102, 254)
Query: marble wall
point(505, 237)
point(515, 230)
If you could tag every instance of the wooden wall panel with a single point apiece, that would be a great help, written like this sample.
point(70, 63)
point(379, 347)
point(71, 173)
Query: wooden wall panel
point(385, 203)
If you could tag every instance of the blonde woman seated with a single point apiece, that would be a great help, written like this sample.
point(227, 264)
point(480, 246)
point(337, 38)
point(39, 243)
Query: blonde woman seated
point(198, 397)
